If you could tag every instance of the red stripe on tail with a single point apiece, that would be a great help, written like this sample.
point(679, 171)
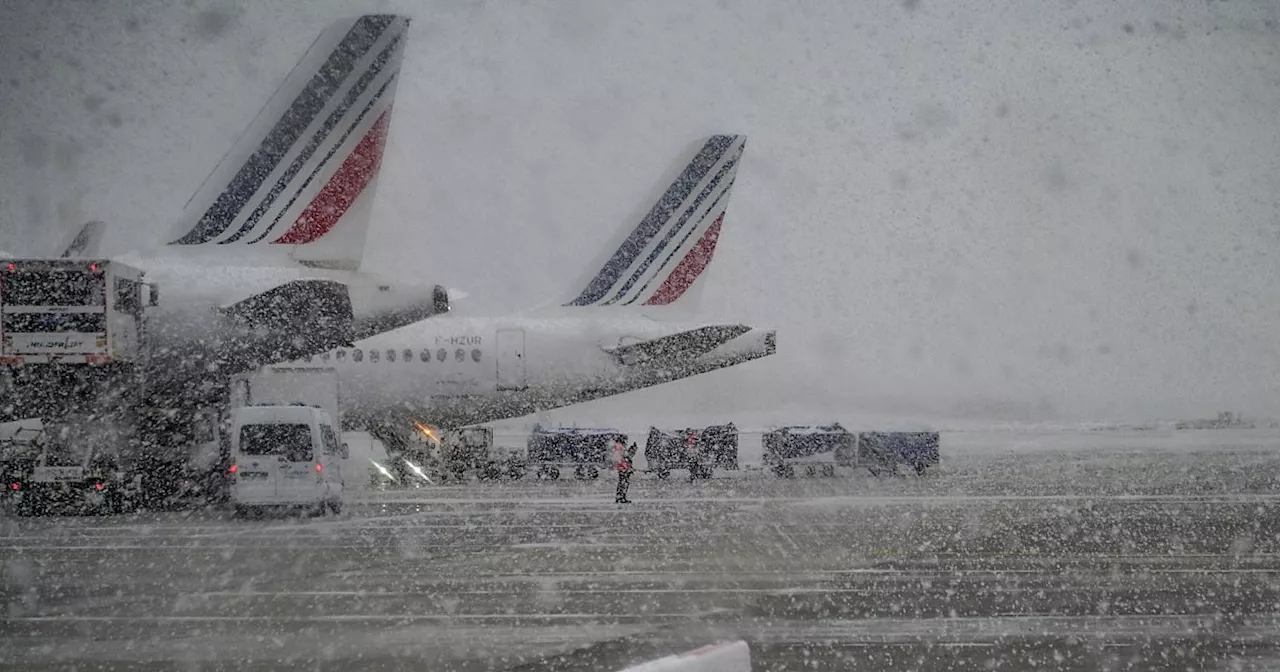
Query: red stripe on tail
point(342, 189)
point(693, 264)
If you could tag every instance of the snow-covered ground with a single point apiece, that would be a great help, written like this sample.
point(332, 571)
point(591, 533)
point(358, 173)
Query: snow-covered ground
point(1081, 547)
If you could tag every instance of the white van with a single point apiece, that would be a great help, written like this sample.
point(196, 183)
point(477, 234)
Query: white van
point(285, 456)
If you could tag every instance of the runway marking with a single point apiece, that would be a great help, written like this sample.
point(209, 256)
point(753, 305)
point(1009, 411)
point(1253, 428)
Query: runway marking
point(358, 617)
point(512, 593)
point(302, 544)
point(959, 499)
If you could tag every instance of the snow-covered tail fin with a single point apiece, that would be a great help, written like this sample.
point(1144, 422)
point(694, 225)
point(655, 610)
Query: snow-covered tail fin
point(657, 262)
point(87, 241)
point(303, 174)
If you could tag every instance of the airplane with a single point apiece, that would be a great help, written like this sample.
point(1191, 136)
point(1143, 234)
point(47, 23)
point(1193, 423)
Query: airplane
point(606, 337)
point(264, 262)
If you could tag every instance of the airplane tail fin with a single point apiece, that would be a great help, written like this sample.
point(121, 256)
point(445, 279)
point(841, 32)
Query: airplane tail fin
point(302, 176)
point(87, 242)
point(660, 260)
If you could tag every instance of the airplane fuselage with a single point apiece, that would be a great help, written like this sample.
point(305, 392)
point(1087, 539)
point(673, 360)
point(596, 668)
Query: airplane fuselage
point(219, 316)
point(453, 371)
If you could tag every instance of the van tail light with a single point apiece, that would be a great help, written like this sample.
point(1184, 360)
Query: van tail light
point(97, 486)
point(319, 475)
point(231, 470)
point(319, 467)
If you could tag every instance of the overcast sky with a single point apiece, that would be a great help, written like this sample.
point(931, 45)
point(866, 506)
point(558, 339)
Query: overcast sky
point(971, 208)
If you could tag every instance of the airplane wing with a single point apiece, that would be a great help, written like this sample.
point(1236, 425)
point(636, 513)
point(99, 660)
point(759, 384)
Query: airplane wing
point(86, 242)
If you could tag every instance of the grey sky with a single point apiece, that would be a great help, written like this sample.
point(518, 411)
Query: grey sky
point(950, 209)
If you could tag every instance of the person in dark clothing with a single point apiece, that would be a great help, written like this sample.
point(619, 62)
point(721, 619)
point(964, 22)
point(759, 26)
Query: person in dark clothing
point(693, 454)
point(624, 466)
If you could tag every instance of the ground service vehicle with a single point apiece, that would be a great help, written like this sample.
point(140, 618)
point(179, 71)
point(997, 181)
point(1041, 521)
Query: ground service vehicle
point(285, 456)
point(21, 443)
point(71, 311)
point(882, 452)
point(698, 450)
point(815, 449)
point(279, 386)
point(59, 468)
point(72, 337)
point(472, 450)
point(586, 450)
point(366, 466)
point(74, 353)
point(284, 384)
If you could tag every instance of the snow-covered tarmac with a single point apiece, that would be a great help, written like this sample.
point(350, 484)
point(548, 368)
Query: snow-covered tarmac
point(1047, 550)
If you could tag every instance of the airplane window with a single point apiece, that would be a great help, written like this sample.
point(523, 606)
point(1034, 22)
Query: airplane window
point(357, 355)
point(373, 355)
point(441, 355)
point(425, 355)
point(475, 355)
point(460, 354)
point(408, 355)
point(391, 355)
point(340, 355)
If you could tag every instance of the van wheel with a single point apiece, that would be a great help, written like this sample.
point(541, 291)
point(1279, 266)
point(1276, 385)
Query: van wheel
point(551, 473)
point(592, 473)
point(335, 506)
point(515, 472)
point(828, 470)
point(664, 474)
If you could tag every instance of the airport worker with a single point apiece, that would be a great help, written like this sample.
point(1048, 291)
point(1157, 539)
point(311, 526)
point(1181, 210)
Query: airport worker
point(692, 454)
point(622, 461)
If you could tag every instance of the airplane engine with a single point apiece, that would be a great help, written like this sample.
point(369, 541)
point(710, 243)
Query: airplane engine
point(383, 307)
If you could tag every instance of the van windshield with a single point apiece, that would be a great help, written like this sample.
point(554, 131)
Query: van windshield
point(292, 441)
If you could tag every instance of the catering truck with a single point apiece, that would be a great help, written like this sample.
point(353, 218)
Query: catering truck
point(73, 354)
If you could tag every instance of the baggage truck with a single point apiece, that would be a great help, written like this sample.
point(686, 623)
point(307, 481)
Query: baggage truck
point(586, 450)
point(698, 450)
point(813, 449)
point(882, 452)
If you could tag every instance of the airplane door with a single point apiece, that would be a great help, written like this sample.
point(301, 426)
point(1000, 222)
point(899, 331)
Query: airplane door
point(511, 374)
